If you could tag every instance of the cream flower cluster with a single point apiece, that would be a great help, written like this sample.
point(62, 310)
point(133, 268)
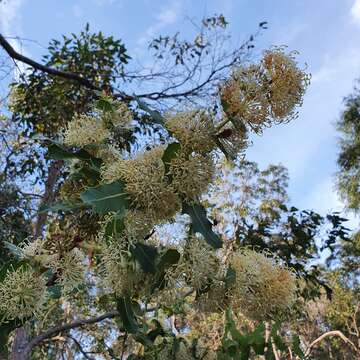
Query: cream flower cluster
point(86, 130)
point(264, 288)
point(69, 266)
point(22, 294)
point(145, 184)
point(194, 130)
point(120, 273)
point(200, 263)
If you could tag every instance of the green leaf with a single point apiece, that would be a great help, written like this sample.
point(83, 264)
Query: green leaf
point(57, 151)
point(257, 339)
point(296, 347)
point(104, 104)
point(54, 291)
point(230, 346)
point(230, 277)
point(170, 257)
point(201, 224)
point(230, 326)
point(156, 116)
point(14, 250)
point(61, 206)
point(238, 124)
point(170, 153)
point(127, 315)
point(115, 226)
point(106, 198)
point(158, 330)
point(86, 172)
point(276, 338)
point(146, 256)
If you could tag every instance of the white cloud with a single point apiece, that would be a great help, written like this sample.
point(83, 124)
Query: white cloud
point(10, 25)
point(344, 66)
point(167, 16)
point(10, 17)
point(355, 11)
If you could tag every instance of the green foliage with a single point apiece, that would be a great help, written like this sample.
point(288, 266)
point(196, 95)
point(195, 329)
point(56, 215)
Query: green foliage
point(239, 346)
point(256, 213)
point(170, 153)
point(155, 115)
point(106, 198)
point(201, 224)
point(348, 175)
point(15, 224)
point(115, 226)
point(127, 315)
point(145, 255)
point(261, 219)
point(44, 104)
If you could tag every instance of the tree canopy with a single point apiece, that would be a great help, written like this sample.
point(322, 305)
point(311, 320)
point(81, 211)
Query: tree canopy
point(132, 225)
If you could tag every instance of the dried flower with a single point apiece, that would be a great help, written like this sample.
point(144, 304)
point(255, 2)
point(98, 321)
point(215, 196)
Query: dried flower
point(264, 288)
point(85, 130)
point(285, 83)
point(244, 99)
point(193, 129)
point(267, 93)
point(22, 294)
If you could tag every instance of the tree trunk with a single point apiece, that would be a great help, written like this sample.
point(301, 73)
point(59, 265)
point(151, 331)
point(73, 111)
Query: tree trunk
point(19, 344)
point(21, 336)
point(49, 196)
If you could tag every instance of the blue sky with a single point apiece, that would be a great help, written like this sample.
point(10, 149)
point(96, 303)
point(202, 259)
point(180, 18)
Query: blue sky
point(325, 32)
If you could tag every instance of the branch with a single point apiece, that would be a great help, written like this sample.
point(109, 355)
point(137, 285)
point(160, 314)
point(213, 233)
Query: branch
point(86, 356)
point(65, 327)
point(66, 75)
point(227, 61)
point(328, 334)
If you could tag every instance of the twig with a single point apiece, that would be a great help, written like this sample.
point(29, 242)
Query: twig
point(65, 327)
point(329, 334)
point(80, 348)
point(64, 74)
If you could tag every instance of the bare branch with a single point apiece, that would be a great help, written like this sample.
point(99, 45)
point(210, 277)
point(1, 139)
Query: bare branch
point(329, 334)
point(63, 74)
point(86, 356)
point(65, 327)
